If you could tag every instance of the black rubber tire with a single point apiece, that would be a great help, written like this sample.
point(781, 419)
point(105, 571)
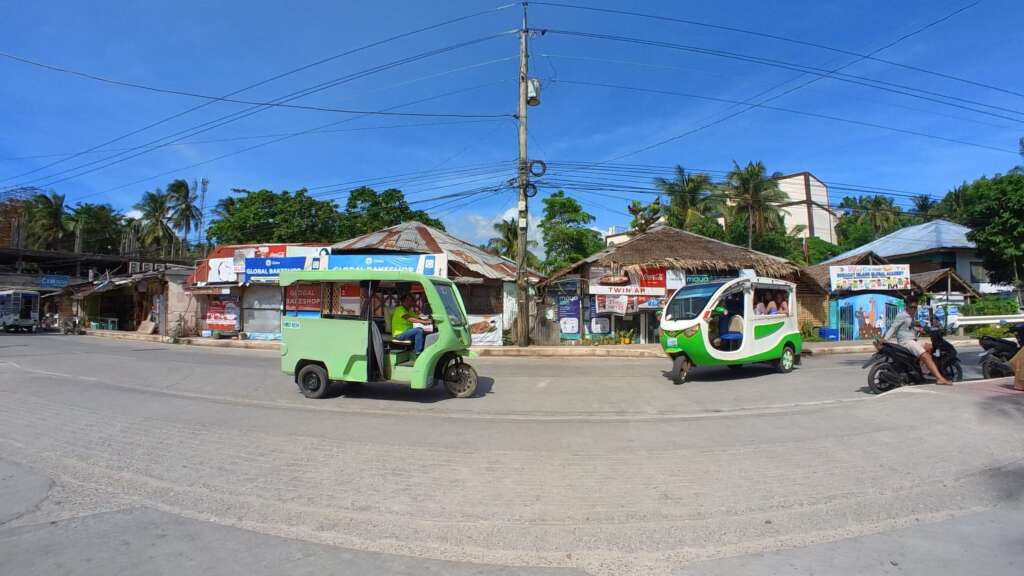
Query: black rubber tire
point(313, 381)
point(992, 368)
point(784, 365)
point(734, 366)
point(680, 369)
point(460, 380)
point(955, 372)
point(882, 378)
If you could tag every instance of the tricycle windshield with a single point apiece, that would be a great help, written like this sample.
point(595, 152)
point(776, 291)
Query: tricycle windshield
point(451, 304)
point(689, 302)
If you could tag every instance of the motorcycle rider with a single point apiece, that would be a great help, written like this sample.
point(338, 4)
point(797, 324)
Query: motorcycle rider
point(904, 332)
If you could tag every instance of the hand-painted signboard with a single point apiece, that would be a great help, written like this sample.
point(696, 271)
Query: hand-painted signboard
point(874, 277)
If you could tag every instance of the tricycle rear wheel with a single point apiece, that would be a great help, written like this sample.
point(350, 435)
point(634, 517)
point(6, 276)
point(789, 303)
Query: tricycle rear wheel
point(313, 381)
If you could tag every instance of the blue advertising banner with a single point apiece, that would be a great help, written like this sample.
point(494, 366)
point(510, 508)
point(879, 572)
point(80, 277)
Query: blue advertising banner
point(53, 280)
point(268, 269)
point(426, 264)
point(569, 316)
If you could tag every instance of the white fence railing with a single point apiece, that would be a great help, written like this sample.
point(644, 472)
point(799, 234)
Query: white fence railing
point(985, 320)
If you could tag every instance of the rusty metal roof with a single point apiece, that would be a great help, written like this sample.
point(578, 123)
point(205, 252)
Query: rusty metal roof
point(420, 238)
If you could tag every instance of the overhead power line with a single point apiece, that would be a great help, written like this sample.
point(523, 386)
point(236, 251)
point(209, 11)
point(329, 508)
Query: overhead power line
point(250, 102)
point(229, 118)
point(276, 77)
point(801, 42)
point(791, 111)
point(883, 85)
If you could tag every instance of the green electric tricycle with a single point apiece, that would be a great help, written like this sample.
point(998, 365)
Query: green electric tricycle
point(336, 328)
point(731, 323)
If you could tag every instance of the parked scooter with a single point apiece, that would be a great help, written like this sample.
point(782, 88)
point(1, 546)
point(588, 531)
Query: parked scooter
point(894, 366)
point(995, 362)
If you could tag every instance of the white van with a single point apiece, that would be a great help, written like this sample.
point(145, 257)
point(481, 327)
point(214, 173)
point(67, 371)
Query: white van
point(19, 310)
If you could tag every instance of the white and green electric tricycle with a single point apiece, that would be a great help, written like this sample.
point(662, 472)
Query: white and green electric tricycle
point(731, 323)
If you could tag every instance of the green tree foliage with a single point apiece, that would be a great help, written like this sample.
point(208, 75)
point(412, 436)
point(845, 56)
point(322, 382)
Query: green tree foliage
point(99, 225)
point(754, 197)
point(866, 218)
point(153, 227)
point(995, 214)
point(566, 232)
point(691, 199)
point(819, 250)
point(953, 206)
point(644, 216)
point(47, 221)
point(266, 216)
point(924, 206)
point(506, 243)
point(185, 213)
point(368, 211)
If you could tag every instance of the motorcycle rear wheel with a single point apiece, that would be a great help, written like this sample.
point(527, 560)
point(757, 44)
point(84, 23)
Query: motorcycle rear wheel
point(992, 368)
point(882, 378)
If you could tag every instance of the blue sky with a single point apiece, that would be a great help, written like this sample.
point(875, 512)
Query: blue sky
point(218, 47)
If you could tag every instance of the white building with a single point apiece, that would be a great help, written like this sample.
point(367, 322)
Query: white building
point(808, 206)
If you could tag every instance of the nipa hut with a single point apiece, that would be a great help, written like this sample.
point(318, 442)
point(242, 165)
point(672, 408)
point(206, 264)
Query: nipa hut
point(621, 287)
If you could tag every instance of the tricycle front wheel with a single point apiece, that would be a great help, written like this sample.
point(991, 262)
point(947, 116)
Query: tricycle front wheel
point(460, 380)
point(680, 369)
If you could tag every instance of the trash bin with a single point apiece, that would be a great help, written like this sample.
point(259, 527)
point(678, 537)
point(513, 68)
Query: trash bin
point(828, 333)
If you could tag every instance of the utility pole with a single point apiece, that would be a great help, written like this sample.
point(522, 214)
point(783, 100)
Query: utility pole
point(78, 244)
point(522, 284)
point(202, 212)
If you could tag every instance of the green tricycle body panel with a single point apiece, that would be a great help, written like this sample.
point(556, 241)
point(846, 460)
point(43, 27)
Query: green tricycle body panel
point(342, 344)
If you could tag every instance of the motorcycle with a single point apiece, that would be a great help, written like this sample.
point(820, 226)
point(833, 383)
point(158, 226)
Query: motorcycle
point(995, 361)
point(894, 366)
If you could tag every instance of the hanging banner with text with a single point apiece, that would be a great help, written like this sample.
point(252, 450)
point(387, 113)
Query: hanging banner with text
point(880, 277)
point(647, 281)
point(267, 270)
point(302, 299)
point(485, 329)
point(569, 316)
point(426, 264)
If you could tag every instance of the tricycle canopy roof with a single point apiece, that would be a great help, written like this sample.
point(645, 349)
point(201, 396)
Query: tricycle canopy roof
point(761, 280)
point(291, 276)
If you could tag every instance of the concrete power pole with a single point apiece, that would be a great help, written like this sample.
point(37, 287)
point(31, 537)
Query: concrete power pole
point(522, 284)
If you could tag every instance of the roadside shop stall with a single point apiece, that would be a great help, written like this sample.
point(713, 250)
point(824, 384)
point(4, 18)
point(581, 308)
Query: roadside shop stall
point(621, 289)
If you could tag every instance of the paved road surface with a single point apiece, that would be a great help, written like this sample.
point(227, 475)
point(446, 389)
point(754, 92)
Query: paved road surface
point(160, 454)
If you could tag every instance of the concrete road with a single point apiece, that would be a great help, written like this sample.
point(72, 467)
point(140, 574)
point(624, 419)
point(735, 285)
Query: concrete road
point(145, 458)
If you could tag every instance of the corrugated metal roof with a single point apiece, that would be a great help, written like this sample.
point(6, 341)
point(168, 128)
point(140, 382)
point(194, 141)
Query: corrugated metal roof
point(934, 235)
point(420, 238)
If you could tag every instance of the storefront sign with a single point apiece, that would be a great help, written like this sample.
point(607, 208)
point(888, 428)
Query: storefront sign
point(222, 313)
point(644, 303)
point(302, 298)
point(647, 281)
point(426, 264)
point(674, 279)
point(883, 277)
point(316, 256)
point(53, 280)
point(569, 316)
point(268, 269)
point(610, 304)
point(485, 329)
point(222, 270)
point(697, 279)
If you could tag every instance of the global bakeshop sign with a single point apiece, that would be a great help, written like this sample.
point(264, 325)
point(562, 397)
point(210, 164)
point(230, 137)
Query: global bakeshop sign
point(267, 270)
point(426, 264)
point(643, 281)
point(870, 277)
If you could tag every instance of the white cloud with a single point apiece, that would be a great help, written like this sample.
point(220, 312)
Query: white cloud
point(479, 228)
point(133, 213)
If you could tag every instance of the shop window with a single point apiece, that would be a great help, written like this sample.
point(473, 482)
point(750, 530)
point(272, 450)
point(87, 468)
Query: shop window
point(978, 273)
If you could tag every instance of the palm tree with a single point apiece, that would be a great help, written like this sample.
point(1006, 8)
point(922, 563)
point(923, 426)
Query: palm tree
point(924, 205)
point(153, 225)
point(644, 216)
point(47, 220)
point(690, 195)
point(506, 243)
point(184, 214)
point(881, 213)
point(754, 197)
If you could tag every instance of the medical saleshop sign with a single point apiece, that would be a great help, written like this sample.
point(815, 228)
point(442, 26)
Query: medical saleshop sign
point(426, 264)
point(267, 270)
point(869, 277)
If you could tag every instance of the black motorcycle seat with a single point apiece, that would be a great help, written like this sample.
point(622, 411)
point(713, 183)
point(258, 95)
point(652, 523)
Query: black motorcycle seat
point(898, 350)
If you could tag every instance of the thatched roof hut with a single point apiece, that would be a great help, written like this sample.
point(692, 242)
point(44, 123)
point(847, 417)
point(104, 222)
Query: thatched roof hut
point(673, 248)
